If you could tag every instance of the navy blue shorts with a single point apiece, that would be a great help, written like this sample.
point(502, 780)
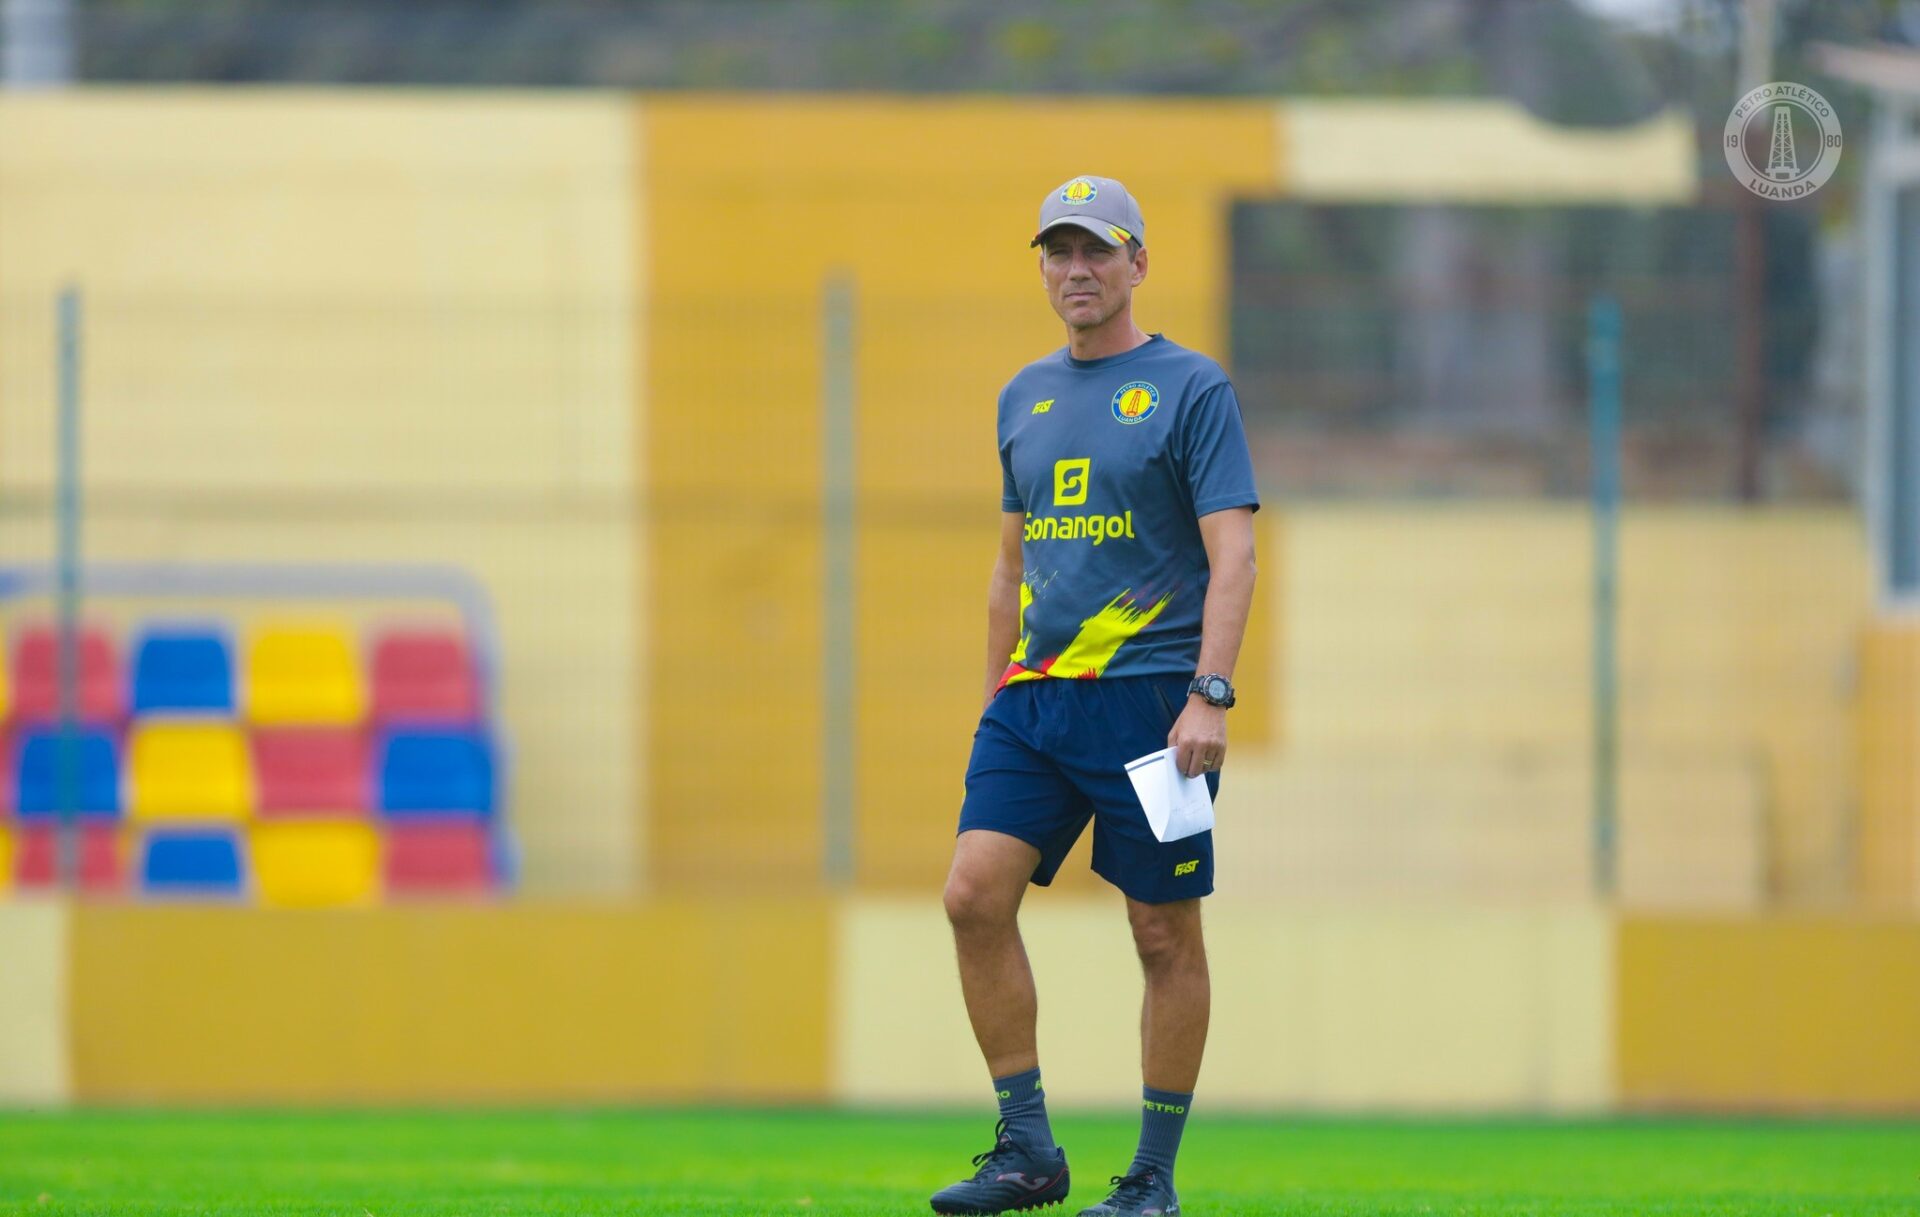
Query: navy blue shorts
point(1051, 754)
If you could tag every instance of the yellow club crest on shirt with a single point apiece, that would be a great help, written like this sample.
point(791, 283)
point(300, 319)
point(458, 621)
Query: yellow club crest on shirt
point(1080, 190)
point(1135, 402)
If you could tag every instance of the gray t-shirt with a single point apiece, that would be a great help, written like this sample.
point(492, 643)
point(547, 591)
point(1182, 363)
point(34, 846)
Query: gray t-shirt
point(1114, 461)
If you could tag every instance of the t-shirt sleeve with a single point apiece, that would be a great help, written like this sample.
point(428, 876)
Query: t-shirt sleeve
point(1009, 489)
point(1216, 464)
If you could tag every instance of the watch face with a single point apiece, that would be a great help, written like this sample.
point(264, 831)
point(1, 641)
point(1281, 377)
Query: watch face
point(1215, 689)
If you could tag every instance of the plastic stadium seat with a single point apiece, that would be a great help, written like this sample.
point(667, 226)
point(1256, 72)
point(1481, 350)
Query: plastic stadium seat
point(316, 863)
point(36, 676)
point(304, 674)
point(201, 862)
point(188, 770)
point(310, 770)
point(431, 856)
point(183, 669)
point(424, 676)
point(102, 856)
point(38, 778)
point(6, 858)
point(436, 773)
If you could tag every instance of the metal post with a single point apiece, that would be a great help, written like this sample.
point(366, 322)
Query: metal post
point(67, 548)
point(837, 529)
point(1603, 362)
point(36, 43)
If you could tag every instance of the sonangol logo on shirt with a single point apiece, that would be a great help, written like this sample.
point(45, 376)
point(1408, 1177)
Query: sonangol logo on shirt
point(1135, 401)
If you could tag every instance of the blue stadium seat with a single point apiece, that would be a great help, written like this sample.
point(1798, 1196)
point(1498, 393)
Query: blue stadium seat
point(183, 669)
point(436, 773)
point(38, 793)
point(191, 862)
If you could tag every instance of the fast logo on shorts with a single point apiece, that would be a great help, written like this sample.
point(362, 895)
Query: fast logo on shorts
point(1186, 868)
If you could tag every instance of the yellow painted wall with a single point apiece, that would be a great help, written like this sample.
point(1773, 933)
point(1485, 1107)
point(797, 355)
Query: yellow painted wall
point(1888, 843)
point(1789, 1014)
point(359, 326)
point(926, 205)
point(450, 1002)
point(1436, 667)
point(1421, 1007)
point(33, 1003)
point(1474, 150)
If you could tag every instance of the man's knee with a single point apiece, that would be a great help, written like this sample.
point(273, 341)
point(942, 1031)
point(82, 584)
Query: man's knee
point(1167, 935)
point(976, 901)
point(988, 879)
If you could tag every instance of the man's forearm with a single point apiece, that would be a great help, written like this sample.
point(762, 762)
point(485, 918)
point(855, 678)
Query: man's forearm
point(1003, 624)
point(1223, 619)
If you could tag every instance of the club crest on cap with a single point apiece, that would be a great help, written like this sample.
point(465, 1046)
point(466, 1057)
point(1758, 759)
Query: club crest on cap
point(1079, 190)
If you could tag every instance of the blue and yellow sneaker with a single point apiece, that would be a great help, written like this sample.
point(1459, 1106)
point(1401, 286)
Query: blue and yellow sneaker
point(1011, 1178)
point(1141, 1195)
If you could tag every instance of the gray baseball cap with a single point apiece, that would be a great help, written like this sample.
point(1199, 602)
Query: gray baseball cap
point(1100, 205)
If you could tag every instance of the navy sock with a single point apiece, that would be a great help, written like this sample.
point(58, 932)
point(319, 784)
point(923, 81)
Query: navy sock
point(1023, 1105)
point(1163, 1117)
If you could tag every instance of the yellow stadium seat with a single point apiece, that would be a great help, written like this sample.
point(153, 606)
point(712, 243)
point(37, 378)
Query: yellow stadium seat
point(180, 770)
point(316, 863)
point(307, 673)
point(6, 859)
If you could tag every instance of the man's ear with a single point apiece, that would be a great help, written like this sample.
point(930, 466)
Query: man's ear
point(1140, 266)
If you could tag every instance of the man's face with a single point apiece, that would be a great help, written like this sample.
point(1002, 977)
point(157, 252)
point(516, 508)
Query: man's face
point(1088, 280)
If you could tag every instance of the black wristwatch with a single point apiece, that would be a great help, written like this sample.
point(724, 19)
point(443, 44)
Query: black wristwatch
point(1214, 689)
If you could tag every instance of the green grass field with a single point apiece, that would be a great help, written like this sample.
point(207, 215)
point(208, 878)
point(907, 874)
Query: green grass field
point(805, 1162)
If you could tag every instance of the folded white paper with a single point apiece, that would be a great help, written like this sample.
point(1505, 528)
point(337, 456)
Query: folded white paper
point(1176, 805)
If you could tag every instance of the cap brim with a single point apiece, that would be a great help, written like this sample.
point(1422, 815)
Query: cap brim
point(1099, 228)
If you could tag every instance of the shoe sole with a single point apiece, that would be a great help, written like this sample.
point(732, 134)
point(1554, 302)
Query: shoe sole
point(1018, 1208)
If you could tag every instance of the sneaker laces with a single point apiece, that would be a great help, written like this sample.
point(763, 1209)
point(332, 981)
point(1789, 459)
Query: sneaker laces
point(1131, 1189)
point(1002, 1144)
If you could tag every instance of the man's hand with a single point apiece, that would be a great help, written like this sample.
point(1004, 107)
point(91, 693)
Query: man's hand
point(1199, 737)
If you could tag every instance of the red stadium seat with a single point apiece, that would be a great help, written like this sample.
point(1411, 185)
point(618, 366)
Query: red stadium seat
point(424, 676)
point(437, 857)
point(36, 676)
point(102, 857)
point(310, 770)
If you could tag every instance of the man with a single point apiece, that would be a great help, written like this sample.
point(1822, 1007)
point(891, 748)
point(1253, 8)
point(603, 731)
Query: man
point(1114, 617)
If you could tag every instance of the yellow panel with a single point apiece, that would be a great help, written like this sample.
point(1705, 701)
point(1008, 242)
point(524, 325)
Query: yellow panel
point(304, 674)
point(1789, 1014)
point(315, 863)
point(189, 771)
point(33, 1004)
point(1431, 150)
point(449, 1003)
point(733, 443)
point(6, 858)
point(1888, 853)
point(1415, 1007)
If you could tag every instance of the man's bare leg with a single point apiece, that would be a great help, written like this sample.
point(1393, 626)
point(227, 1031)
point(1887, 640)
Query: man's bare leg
point(1179, 997)
point(984, 890)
